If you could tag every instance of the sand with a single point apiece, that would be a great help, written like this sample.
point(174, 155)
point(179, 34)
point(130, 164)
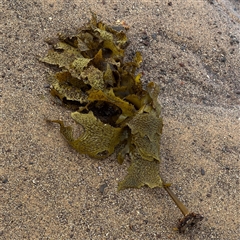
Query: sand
point(49, 191)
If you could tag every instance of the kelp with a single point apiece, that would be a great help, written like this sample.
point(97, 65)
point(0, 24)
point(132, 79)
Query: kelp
point(116, 112)
point(141, 172)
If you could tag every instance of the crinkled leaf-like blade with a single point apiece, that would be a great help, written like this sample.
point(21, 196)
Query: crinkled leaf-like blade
point(113, 62)
point(139, 101)
point(62, 59)
point(146, 124)
point(66, 77)
point(124, 147)
point(149, 150)
point(93, 22)
point(87, 41)
point(104, 34)
point(119, 37)
point(108, 76)
point(98, 59)
point(117, 52)
point(82, 46)
point(98, 139)
point(138, 59)
point(132, 66)
point(127, 80)
point(135, 100)
point(77, 66)
point(94, 77)
point(98, 95)
point(67, 47)
point(140, 173)
point(122, 153)
point(65, 131)
point(68, 39)
point(64, 90)
point(153, 90)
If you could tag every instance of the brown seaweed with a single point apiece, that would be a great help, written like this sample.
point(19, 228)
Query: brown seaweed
point(116, 112)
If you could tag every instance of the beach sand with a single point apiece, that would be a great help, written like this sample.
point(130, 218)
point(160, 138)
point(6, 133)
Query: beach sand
point(49, 191)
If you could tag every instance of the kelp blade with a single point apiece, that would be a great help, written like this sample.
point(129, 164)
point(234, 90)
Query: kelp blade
point(98, 140)
point(117, 114)
point(141, 173)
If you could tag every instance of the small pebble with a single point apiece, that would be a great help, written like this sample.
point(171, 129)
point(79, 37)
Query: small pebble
point(223, 59)
point(5, 180)
point(144, 36)
point(46, 86)
point(202, 171)
point(102, 187)
point(154, 36)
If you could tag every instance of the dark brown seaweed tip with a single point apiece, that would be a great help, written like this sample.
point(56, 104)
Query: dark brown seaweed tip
point(189, 221)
